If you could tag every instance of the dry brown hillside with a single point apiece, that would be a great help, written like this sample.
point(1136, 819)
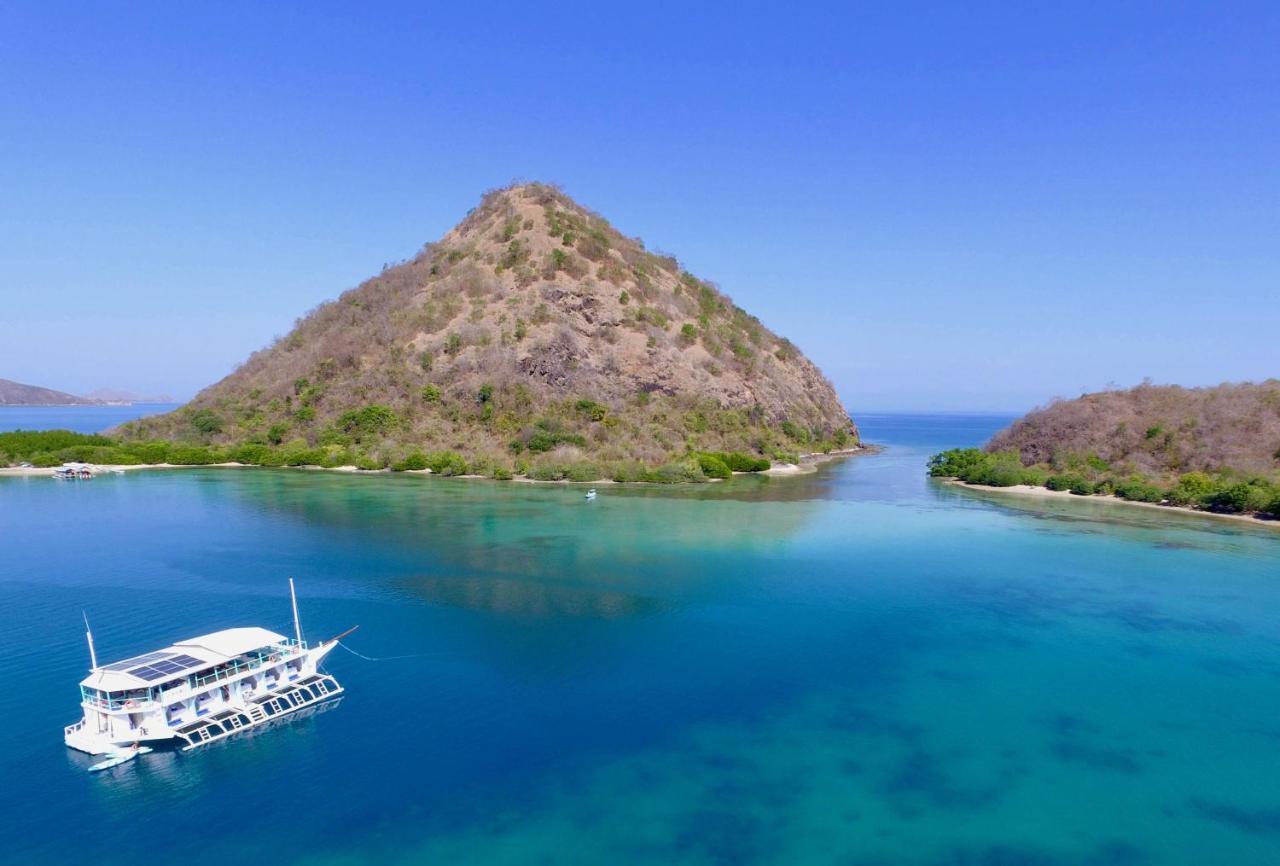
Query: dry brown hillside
point(1158, 430)
point(534, 330)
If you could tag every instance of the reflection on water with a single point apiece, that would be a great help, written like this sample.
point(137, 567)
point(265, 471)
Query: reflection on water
point(532, 600)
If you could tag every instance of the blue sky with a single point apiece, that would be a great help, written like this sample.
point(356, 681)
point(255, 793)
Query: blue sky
point(951, 206)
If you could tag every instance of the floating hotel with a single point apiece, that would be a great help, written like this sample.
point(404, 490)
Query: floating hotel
point(200, 690)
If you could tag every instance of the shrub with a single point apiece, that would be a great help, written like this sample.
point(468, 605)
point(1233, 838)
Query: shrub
point(1138, 490)
point(251, 453)
point(1273, 507)
point(192, 455)
point(276, 433)
point(21, 444)
point(149, 452)
point(414, 460)
point(501, 473)
point(548, 434)
point(206, 422)
point(447, 463)
point(1062, 482)
point(374, 419)
point(1083, 487)
point(795, 432)
point(675, 473)
point(1193, 488)
point(431, 393)
point(452, 344)
point(713, 466)
point(593, 410)
point(584, 472)
point(955, 462)
point(739, 462)
point(1242, 497)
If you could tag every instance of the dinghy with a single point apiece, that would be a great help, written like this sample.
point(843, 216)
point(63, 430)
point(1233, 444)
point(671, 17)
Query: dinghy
point(591, 494)
point(119, 758)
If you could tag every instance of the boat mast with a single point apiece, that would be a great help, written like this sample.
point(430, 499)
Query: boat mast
point(297, 626)
point(93, 656)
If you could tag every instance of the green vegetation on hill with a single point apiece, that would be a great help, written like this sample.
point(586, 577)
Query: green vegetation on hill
point(46, 448)
point(1225, 491)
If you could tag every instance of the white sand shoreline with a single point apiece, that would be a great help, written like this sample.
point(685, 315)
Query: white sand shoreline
point(1043, 492)
point(808, 463)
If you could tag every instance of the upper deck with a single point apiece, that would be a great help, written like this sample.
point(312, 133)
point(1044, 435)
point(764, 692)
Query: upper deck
point(185, 667)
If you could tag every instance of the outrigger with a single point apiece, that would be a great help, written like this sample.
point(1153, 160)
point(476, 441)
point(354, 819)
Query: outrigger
point(200, 690)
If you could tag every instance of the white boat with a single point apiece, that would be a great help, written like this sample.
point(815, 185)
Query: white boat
point(201, 689)
point(591, 494)
point(119, 758)
point(68, 471)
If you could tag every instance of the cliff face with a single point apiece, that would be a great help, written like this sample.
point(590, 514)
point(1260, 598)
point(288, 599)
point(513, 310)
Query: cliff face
point(18, 394)
point(534, 321)
point(1158, 429)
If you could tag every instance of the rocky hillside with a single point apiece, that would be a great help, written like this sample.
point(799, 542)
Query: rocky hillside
point(1157, 430)
point(534, 330)
point(18, 394)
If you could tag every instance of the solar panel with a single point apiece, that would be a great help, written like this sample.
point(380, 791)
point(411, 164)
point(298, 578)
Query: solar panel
point(149, 674)
point(187, 661)
point(137, 660)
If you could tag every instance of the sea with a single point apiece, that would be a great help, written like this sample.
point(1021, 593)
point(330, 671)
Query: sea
point(858, 666)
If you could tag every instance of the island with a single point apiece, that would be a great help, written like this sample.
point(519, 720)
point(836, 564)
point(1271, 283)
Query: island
point(1207, 449)
point(534, 340)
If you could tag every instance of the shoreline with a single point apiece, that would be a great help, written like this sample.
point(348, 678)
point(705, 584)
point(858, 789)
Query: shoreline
point(807, 465)
point(1044, 492)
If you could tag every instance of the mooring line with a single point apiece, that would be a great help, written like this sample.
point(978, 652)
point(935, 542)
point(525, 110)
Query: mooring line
point(383, 659)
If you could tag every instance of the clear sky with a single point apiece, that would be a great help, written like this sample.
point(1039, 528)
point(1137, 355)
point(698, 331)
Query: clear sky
point(950, 206)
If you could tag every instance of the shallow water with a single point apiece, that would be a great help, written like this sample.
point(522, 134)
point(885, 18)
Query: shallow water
point(857, 666)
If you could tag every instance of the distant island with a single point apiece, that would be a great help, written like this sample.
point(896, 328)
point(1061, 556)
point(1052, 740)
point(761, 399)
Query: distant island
point(118, 395)
point(17, 394)
point(533, 339)
point(1213, 449)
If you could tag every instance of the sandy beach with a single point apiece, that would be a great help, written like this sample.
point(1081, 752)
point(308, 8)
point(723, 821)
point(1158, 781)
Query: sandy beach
point(1026, 490)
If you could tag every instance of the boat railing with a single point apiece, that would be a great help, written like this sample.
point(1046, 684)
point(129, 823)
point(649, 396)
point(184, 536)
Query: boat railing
point(71, 729)
point(282, 652)
point(287, 650)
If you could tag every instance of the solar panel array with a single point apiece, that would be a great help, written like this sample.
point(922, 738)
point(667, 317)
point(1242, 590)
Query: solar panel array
point(166, 667)
point(136, 660)
point(154, 666)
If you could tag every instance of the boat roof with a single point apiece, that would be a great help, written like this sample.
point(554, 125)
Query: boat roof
point(191, 654)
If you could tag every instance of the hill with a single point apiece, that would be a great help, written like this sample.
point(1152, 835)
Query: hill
point(117, 395)
point(1157, 430)
point(532, 335)
point(1212, 448)
point(18, 394)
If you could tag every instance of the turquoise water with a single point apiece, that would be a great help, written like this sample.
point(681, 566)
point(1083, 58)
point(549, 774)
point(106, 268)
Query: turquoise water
point(81, 419)
point(855, 667)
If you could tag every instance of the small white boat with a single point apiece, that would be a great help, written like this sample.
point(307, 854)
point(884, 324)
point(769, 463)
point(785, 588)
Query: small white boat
point(591, 494)
point(69, 471)
point(118, 758)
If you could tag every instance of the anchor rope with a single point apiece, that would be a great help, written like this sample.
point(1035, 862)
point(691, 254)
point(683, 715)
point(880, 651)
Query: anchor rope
point(383, 658)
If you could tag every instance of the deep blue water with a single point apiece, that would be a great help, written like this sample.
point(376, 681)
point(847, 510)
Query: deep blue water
point(80, 419)
point(858, 666)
